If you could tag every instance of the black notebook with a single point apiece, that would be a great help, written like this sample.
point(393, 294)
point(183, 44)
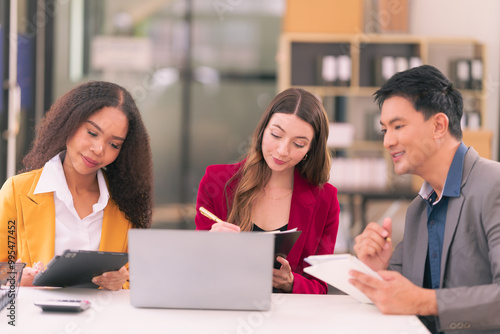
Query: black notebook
point(77, 268)
point(283, 243)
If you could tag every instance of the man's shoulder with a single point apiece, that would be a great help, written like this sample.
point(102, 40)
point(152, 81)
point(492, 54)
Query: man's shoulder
point(485, 169)
point(488, 164)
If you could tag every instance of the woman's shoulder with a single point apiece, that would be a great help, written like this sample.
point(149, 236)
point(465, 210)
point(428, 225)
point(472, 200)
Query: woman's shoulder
point(326, 188)
point(229, 169)
point(27, 176)
point(24, 180)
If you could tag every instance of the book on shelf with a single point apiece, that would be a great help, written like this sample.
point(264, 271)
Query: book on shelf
point(476, 74)
point(460, 73)
point(327, 70)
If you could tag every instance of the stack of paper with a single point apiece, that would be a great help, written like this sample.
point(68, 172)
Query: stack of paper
point(334, 270)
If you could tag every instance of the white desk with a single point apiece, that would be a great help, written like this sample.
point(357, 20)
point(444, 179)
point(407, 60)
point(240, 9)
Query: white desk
point(111, 312)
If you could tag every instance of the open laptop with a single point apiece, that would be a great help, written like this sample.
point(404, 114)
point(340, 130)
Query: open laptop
point(200, 269)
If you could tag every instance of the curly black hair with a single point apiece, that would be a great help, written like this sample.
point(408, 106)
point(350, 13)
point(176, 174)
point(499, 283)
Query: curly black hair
point(130, 176)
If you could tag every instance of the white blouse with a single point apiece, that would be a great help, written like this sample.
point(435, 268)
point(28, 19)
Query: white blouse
point(71, 231)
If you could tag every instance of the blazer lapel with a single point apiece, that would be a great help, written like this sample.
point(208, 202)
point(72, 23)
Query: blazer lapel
point(454, 210)
point(420, 248)
point(452, 217)
point(114, 229)
point(39, 224)
point(301, 211)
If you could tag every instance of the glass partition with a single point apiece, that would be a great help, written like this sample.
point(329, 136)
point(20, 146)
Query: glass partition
point(202, 72)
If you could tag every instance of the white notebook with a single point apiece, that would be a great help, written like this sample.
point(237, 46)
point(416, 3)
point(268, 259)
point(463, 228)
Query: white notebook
point(334, 270)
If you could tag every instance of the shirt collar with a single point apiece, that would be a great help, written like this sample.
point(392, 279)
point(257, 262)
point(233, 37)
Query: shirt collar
point(453, 179)
point(53, 179)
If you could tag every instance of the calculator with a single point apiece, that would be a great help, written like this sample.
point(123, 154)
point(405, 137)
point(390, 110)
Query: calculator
point(64, 305)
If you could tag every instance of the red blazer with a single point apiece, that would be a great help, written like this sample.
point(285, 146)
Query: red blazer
point(314, 211)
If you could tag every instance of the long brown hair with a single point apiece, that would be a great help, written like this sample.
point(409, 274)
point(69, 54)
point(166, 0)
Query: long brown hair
point(130, 176)
point(255, 173)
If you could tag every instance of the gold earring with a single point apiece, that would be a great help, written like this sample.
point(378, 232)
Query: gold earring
point(305, 157)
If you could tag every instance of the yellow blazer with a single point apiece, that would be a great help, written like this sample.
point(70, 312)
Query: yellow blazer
point(33, 218)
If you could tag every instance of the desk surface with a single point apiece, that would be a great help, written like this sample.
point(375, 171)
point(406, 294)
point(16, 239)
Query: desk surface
point(111, 312)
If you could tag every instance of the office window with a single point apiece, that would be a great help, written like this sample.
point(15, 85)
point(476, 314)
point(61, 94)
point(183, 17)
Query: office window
point(202, 73)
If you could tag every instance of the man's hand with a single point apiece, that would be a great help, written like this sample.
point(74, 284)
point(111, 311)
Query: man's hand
point(374, 245)
point(395, 294)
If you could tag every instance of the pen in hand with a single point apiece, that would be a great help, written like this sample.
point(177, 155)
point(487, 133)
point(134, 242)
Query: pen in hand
point(223, 226)
point(210, 215)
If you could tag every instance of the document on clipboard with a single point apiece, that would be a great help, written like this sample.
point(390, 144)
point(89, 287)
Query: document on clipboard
point(334, 270)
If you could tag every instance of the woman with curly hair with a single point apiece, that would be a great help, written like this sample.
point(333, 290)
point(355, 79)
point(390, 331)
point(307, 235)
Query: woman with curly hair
point(281, 184)
point(86, 181)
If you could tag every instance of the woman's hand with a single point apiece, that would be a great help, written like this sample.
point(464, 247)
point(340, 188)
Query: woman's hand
point(112, 280)
point(283, 277)
point(224, 227)
point(29, 273)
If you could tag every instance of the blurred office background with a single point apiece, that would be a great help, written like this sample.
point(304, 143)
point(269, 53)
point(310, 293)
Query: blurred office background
point(202, 72)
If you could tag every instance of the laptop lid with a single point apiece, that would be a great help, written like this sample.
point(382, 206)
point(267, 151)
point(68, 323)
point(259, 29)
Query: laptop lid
point(200, 269)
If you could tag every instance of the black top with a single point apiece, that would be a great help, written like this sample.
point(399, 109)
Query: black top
point(256, 228)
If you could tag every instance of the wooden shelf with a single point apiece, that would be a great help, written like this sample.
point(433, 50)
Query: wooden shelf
point(299, 66)
point(299, 52)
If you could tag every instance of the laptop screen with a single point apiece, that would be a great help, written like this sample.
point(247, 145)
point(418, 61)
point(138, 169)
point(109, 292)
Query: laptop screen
point(200, 269)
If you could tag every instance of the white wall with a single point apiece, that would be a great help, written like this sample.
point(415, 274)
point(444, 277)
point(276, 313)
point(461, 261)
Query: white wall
point(466, 18)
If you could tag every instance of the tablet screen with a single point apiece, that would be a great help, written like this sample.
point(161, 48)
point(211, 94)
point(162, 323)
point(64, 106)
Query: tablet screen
point(77, 268)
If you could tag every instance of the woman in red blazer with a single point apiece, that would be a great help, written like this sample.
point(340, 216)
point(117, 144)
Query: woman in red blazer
point(281, 184)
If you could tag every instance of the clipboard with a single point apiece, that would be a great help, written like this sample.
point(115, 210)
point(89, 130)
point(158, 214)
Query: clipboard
point(76, 268)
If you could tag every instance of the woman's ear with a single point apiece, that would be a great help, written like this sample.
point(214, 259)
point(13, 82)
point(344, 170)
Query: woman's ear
point(441, 124)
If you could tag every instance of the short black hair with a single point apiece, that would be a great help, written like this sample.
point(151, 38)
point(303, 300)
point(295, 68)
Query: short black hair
point(429, 91)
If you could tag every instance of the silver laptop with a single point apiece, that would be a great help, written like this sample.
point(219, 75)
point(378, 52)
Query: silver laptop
point(200, 269)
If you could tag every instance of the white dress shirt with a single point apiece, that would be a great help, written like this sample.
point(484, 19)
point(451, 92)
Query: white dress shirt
point(71, 231)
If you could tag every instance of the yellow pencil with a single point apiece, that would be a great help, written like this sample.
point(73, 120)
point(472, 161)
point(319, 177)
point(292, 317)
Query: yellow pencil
point(210, 215)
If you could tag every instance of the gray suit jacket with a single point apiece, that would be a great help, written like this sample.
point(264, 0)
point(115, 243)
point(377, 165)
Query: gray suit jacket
point(469, 294)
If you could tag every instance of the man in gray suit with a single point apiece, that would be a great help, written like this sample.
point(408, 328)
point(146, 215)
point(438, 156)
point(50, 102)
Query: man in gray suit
point(447, 268)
